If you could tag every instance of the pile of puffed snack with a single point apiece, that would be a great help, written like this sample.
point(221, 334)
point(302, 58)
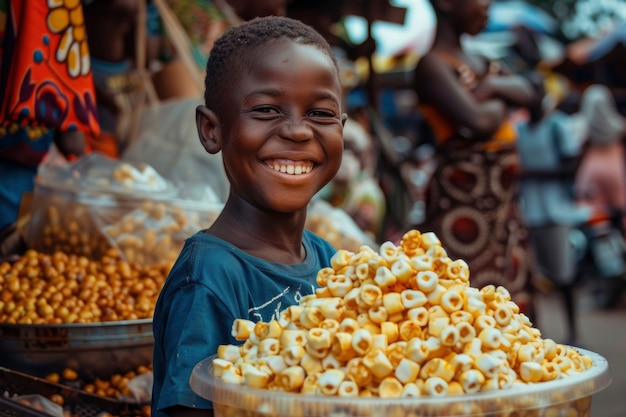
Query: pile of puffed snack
point(402, 321)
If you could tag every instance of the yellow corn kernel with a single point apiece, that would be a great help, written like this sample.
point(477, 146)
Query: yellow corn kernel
point(378, 363)
point(421, 263)
point(318, 353)
point(291, 315)
point(410, 390)
point(332, 308)
point(291, 379)
point(484, 321)
point(488, 364)
point(409, 329)
point(458, 270)
point(437, 367)
point(563, 362)
point(323, 275)
point(370, 294)
point(269, 347)
point(390, 387)
point(389, 252)
point(318, 339)
point(384, 278)
point(393, 303)
point(475, 306)
point(275, 363)
point(402, 270)
point(322, 292)
point(451, 300)
point(242, 329)
point(419, 315)
point(232, 376)
point(412, 298)
point(466, 331)
point(230, 353)
point(449, 336)
point(461, 316)
point(331, 362)
point(380, 341)
point(527, 353)
point(460, 362)
point(220, 366)
point(348, 388)
point(253, 377)
point(311, 317)
point(311, 365)
point(488, 292)
point(396, 352)
point(331, 325)
point(490, 337)
point(378, 314)
point(427, 281)
point(407, 371)
point(348, 325)
point(471, 381)
point(292, 354)
point(390, 330)
point(434, 296)
point(339, 285)
point(417, 350)
point(411, 242)
point(435, 386)
point(340, 259)
point(366, 323)
point(549, 347)
point(503, 315)
point(352, 300)
point(358, 372)
point(292, 337)
point(430, 239)
point(249, 348)
point(473, 348)
point(362, 271)
point(310, 386)
point(342, 346)
point(329, 381)
point(437, 324)
point(361, 341)
point(550, 371)
point(531, 371)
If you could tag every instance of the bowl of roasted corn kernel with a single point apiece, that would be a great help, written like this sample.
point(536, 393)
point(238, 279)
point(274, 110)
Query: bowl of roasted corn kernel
point(399, 332)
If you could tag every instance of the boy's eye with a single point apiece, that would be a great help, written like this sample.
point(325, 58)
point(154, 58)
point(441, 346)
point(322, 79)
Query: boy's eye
point(321, 113)
point(265, 109)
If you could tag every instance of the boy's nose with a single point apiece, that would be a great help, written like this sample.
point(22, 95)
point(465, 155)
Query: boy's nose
point(296, 129)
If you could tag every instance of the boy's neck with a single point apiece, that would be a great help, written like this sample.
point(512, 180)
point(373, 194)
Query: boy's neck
point(276, 237)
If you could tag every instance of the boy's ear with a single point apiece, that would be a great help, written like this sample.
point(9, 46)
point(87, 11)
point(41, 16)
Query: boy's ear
point(209, 130)
point(344, 117)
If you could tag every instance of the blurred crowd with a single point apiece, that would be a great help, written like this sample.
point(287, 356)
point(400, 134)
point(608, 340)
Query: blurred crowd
point(516, 163)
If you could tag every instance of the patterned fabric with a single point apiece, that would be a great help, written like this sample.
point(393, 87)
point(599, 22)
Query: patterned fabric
point(46, 81)
point(472, 207)
point(203, 22)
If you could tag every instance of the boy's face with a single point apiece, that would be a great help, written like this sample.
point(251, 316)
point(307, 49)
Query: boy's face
point(282, 126)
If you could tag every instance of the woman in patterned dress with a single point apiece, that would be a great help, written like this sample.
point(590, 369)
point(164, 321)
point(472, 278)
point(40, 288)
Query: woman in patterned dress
point(472, 199)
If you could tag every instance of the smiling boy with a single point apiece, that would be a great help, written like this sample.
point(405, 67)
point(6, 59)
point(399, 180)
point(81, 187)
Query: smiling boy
point(273, 108)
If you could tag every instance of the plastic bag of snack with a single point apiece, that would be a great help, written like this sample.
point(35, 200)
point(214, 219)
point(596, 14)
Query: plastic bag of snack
point(336, 226)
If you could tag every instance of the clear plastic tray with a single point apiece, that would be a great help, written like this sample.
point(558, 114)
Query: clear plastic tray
point(538, 400)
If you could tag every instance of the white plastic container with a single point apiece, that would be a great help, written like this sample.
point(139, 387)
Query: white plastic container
point(570, 396)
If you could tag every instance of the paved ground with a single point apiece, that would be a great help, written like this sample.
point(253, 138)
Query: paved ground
point(601, 331)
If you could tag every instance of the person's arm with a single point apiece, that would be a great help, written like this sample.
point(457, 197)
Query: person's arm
point(71, 143)
point(436, 84)
point(515, 90)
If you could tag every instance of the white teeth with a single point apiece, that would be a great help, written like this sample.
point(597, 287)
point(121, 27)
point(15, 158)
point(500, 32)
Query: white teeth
point(292, 169)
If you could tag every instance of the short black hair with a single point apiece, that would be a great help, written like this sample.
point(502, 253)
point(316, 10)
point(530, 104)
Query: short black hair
point(232, 51)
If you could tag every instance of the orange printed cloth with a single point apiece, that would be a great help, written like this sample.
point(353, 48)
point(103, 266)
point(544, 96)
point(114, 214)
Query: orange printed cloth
point(46, 77)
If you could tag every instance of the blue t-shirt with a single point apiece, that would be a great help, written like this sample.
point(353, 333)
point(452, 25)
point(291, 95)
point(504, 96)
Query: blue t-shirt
point(211, 284)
